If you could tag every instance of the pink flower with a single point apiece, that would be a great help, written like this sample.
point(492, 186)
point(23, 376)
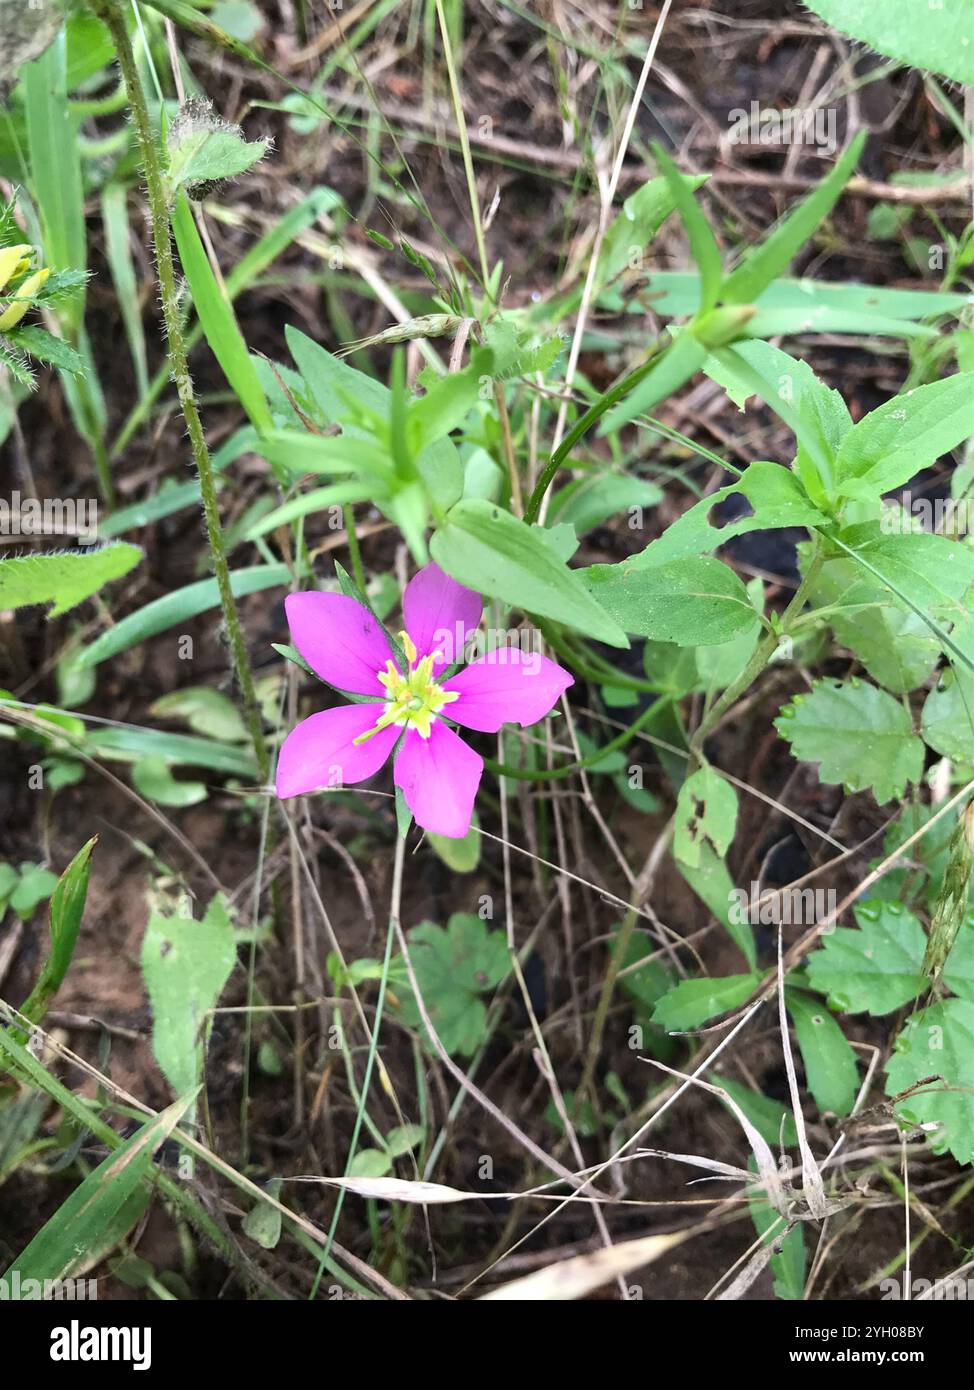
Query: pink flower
point(408, 710)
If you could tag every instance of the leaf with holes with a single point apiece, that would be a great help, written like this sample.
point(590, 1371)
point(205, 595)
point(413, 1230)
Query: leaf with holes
point(706, 810)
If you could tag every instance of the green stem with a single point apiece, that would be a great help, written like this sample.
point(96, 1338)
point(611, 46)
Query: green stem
point(111, 15)
point(354, 550)
point(762, 652)
point(582, 426)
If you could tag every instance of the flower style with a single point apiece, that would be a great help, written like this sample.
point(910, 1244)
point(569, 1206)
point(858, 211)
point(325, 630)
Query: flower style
point(407, 710)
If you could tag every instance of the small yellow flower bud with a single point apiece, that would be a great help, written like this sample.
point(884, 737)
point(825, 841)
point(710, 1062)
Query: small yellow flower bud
point(21, 300)
point(14, 260)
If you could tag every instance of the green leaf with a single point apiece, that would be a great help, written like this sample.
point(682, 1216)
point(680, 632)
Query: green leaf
point(38, 342)
point(101, 1210)
point(636, 224)
point(36, 886)
point(704, 251)
point(893, 443)
point(211, 156)
point(497, 554)
point(874, 969)
point(894, 644)
point(692, 1003)
point(453, 969)
point(155, 782)
point(370, 1163)
point(711, 882)
point(462, 856)
point(706, 812)
point(927, 571)
point(789, 1265)
point(186, 965)
point(208, 712)
point(63, 579)
point(693, 601)
point(861, 737)
point(674, 366)
point(948, 716)
point(775, 496)
point(402, 1139)
point(177, 607)
point(263, 1223)
point(830, 1063)
point(587, 502)
point(938, 1042)
point(66, 911)
point(773, 1121)
point(762, 265)
point(924, 36)
point(216, 316)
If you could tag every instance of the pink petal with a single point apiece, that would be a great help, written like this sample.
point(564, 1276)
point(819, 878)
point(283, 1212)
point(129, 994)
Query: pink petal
point(506, 686)
point(339, 639)
point(440, 615)
point(321, 752)
point(439, 777)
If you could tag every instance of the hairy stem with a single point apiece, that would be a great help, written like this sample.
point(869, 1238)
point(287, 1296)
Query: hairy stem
point(112, 16)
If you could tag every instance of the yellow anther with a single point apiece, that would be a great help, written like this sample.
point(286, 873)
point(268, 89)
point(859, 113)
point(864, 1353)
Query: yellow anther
point(21, 300)
point(408, 646)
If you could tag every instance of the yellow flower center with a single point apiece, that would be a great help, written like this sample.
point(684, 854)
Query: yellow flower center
point(414, 699)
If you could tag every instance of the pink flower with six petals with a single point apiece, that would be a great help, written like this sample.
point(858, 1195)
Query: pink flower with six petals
point(406, 715)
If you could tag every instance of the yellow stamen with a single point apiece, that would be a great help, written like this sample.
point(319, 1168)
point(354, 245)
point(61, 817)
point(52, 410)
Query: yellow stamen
point(14, 260)
point(414, 700)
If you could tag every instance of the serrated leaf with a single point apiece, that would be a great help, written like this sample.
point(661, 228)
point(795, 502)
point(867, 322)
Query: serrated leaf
point(875, 968)
point(453, 969)
point(858, 734)
point(210, 156)
point(63, 579)
point(939, 1042)
point(935, 36)
point(693, 1002)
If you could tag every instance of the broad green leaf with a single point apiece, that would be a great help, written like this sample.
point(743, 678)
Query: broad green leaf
point(155, 782)
point(370, 1163)
point(102, 1209)
point(938, 1043)
point(692, 1003)
point(402, 1139)
point(496, 554)
point(830, 1063)
point(893, 443)
point(719, 666)
point(775, 496)
point(36, 886)
point(874, 968)
point(263, 1223)
point(218, 321)
point(712, 883)
point(207, 711)
point(692, 601)
point(929, 570)
point(462, 856)
point(894, 644)
point(765, 262)
point(210, 156)
point(63, 579)
point(186, 965)
point(706, 812)
point(813, 306)
point(948, 715)
point(935, 35)
point(66, 910)
point(177, 607)
point(861, 737)
point(453, 969)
